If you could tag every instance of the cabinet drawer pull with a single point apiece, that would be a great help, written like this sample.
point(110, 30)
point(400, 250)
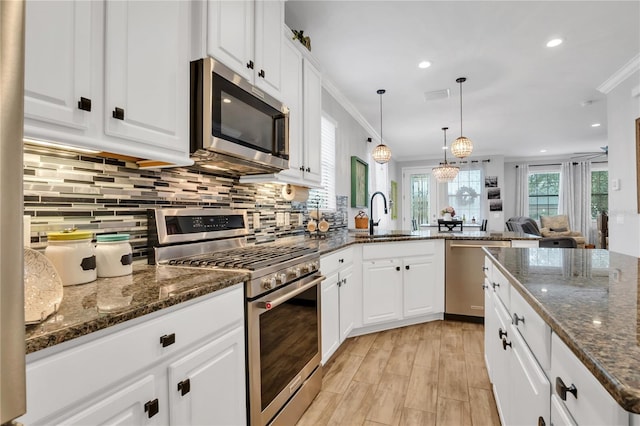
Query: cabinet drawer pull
point(84, 104)
point(118, 113)
point(494, 285)
point(152, 408)
point(501, 333)
point(397, 268)
point(250, 65)
point(184, 387)
point(517, 319)
point(261, 73)
point(168, 339)
point(541, 421)
point(505, 344)
point(562, 389)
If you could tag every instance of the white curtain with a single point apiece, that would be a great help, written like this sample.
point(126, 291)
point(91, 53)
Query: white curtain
point(575, 196)
point(522, 190)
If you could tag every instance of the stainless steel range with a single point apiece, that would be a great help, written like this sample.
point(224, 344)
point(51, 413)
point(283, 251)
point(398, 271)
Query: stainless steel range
point(282, 309)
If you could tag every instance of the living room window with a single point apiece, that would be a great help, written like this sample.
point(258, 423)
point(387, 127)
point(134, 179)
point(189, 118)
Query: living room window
point(599, 192)
point(326, 196)
point(544, 190)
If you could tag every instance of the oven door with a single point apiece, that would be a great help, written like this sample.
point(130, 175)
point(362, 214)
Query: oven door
point(283, 345)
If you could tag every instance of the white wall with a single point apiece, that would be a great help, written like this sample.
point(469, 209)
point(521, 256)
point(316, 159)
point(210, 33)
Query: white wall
point(622, 110)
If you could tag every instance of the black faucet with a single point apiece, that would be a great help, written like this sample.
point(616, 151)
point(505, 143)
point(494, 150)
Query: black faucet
point(371, 222)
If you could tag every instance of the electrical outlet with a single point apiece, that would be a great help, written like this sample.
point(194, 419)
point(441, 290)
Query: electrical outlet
point(287, 219)
point(297, 219)
point(256, 221)
point(279, 219)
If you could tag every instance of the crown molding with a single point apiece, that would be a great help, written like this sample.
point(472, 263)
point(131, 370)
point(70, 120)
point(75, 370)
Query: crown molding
point(621, 75)
point(328, 85)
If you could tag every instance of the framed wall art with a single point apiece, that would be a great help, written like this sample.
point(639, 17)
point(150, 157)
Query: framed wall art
point(359, 183)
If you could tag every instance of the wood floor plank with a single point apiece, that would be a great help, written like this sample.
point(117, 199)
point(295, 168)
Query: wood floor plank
point(452, 377)
point(477, 376)
point(373, 365)
point(338, 377)
point(422, 393)
point(428, 354)
point(453, 413)
point(321, 409)
point(385, 339)
point(483, 407)
point(452, 337)
point(360, 345)
point(401, 359)
point(411, 417)
point(473, 341)
point(409, 334)
point(472, 326)
point(354, 406)
point(388, 400)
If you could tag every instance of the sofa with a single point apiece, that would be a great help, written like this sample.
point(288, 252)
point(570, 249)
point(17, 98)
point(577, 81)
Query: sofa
point(527, 225)
point(558, 226)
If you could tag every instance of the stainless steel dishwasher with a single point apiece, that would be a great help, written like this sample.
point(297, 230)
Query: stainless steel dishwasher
point(464, 278)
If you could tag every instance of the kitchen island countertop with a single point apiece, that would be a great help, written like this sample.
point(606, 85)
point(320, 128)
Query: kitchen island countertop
point(590, 299)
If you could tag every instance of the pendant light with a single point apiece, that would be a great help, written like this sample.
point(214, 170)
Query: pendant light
point(461, 147)
point(445, 172)
point(381, 153)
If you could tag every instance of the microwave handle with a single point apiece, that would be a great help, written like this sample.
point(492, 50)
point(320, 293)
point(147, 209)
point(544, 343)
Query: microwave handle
point(270, 304)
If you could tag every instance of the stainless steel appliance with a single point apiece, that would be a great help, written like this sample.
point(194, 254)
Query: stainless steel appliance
point(283, 303)
point(235, 127)
point(12, 345)
point(464, 278)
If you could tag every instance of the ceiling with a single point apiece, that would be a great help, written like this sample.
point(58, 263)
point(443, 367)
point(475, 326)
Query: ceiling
point(520, 96)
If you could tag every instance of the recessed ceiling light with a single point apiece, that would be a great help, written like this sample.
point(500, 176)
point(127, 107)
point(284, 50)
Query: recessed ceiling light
point(424, 64)
point(543, 150)
point(595, 125)
point(554, 42)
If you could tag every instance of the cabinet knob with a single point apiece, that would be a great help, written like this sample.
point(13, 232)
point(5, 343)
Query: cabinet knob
point(505, 344)
point(118, 113)
point(84, 104)
point(261, 73)
point(168, 339)
point(250, 65)
point(484, 268)
point(484, 286)
point(302, 168)
point(562, 389)
point(494, 285)
point(397, 268)
point(308, 169)
point(407, 267)
point(184, 387)
point(340, 260)
point(501, 333)
point(152, 408)
point(517, 319)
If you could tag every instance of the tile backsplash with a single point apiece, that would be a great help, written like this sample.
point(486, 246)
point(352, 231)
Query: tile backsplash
point(64, 189)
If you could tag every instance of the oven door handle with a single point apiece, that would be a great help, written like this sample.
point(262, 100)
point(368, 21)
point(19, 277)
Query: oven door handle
point(270, 304)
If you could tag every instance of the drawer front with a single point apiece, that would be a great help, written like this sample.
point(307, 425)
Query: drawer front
point(400, 249)
point(559, 414)
point(531, 326)
point(331, 262)
point(488, 268)
point(593, 404)
point(70, 376)
point(502, 287)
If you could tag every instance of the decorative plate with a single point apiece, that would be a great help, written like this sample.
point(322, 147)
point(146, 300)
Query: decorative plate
point(42, 287)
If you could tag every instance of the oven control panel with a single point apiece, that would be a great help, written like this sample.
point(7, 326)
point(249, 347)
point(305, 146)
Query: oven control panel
point(285, 276)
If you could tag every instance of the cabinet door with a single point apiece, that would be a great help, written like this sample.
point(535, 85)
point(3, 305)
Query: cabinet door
point(291, 92)
point(58, 67)
point(381, 291)
point(348, 299)
point(124, 407)
point(500, 370)
point(423, 292)
point(230, 34)
point(490, 329)
point(212, 379)
point(529, 387)
point(147, 72)
point(330, 305)
point(312, 110)
point(269, 18)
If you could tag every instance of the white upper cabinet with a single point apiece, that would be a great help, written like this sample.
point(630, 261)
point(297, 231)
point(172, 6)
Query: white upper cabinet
point(246, 37)
point(312, 110)
point(147, 72)
point(103, 76)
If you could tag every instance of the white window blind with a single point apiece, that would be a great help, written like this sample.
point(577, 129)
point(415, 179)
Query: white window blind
point(326, 196)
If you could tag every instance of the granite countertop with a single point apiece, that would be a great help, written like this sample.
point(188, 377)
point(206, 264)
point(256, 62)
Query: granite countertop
point(590, 299)
point(90, 307)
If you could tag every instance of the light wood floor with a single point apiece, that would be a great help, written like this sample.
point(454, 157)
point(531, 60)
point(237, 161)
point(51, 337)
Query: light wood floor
point(425, 374)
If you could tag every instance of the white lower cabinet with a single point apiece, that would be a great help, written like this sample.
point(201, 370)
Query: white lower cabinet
point(381, 291)
point(137, 374)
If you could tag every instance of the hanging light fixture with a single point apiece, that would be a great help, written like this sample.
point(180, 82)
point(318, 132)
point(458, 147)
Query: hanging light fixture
point(445, 172)
point(381, 153)
point(461, 147)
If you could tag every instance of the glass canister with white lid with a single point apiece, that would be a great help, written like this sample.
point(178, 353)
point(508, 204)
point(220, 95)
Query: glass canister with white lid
point(73, 255)
point(113, 255)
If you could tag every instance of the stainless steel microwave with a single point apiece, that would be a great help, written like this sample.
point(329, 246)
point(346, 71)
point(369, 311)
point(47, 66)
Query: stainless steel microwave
point(235, 127)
